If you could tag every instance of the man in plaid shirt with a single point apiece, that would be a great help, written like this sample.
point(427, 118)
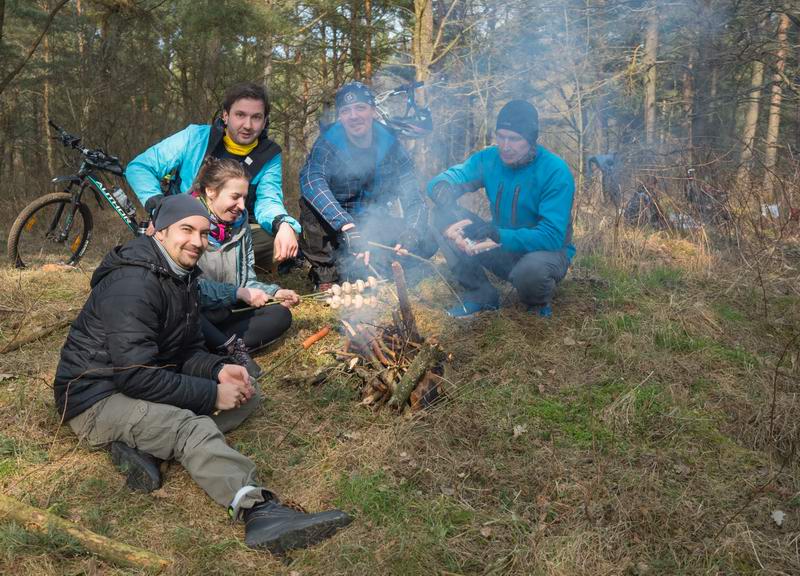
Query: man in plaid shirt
point(359, 184)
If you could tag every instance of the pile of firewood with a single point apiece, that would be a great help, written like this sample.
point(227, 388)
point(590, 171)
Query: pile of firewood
point(396, 365)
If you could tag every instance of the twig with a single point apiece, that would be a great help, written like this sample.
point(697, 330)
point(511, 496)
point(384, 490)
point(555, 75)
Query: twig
point(429, 263)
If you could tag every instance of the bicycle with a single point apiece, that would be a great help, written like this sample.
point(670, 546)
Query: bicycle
point(416, 121)
point(57, 227)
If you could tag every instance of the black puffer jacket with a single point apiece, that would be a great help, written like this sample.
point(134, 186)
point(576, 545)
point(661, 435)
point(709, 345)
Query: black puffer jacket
point(138, 334)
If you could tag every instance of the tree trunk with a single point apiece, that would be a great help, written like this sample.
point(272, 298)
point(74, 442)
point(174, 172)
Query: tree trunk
point(2, 19)
point(750, 123)
point(46, 94)
point(18, 68)
point(356, 51)
point(423, 38)
point(650, 57)
point(688, 106)
point(368, 41)
point(774, 125)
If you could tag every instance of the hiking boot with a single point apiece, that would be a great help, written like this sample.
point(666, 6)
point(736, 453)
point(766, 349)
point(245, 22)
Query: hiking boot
point(140, 468)
point(471, 308)
point(543, 310)
point(236, 350)
point(278, 528)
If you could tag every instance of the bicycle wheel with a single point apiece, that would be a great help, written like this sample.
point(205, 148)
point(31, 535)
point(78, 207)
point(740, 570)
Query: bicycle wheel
point(50, 230)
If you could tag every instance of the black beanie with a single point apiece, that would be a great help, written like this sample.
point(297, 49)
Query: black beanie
point(177, 207)
point(353, 92)
point(521, 117)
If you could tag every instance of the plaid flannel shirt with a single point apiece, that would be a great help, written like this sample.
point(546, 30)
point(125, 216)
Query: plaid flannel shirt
point(339, 195)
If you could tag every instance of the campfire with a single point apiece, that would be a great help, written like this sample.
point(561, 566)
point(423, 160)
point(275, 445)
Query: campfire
point(397, 367)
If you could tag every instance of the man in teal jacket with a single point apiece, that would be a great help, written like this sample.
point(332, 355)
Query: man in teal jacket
point(240, 134)
point(528, 239)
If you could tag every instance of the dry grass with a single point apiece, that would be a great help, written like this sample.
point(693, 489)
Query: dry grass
point(646, 438)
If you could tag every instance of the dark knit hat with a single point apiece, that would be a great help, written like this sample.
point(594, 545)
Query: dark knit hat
point(177, 207)
point(521, 117)
point(353, 92)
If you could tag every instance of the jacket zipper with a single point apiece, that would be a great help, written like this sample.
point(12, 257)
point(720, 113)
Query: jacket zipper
point(497, 201)
point(514, 206)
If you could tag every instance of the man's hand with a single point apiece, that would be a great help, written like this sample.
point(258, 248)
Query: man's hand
point(288, 298)
point(355, 243)
point(455, 232)
point(285, 245)
point(253, 296)
point(234, 388)
point(482, 230)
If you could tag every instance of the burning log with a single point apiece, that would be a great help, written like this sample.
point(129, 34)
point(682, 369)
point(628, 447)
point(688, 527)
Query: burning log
point(428, 357)
point(405, 305)
point(394, 363)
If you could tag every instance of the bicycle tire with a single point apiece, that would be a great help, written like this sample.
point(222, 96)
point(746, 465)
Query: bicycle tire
point(21, 239)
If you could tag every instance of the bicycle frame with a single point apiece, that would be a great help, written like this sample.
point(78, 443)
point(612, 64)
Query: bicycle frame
point(86, 179)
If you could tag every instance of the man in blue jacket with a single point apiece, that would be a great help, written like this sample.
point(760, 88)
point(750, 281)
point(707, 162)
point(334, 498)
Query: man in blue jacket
point(240, 134)
point(359, 184)
point(528, 239)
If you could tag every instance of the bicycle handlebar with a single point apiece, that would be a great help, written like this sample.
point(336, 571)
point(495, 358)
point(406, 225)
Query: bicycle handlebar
point(96, 156)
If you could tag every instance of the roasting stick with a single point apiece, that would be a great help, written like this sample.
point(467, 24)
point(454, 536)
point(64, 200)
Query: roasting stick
point(313, 296)
point(428, 262)
point(307, 343)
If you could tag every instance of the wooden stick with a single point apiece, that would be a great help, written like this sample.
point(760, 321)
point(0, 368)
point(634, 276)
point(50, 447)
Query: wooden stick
point(427, 357)
point(405, 306)
point(16, 344)
point(429, 263)
point(116, 552)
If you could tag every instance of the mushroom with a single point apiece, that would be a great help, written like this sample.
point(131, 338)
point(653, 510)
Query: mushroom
point(335, 301)
point(347, 288)
point(347, 301)
point(359, 285)
point(358, 301)
point(372, 282)
point(336, 289)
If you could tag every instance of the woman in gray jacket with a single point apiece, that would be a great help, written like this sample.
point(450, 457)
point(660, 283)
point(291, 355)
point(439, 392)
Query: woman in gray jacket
point(228, 268)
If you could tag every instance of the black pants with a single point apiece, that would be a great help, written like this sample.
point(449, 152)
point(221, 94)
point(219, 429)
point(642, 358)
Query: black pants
point(257, 327)
point(330, 262)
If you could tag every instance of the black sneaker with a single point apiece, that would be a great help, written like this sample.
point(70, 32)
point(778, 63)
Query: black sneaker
point(278, 528)
point(141, 469)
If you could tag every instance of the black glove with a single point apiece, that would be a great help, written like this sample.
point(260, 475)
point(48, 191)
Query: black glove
point(153, 204)
point(354, 241)
point(408, 240)
point(444, 195)
point(481, 230)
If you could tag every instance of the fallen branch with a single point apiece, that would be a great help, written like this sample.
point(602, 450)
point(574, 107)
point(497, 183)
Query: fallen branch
point(116, 552)
point(16, 344)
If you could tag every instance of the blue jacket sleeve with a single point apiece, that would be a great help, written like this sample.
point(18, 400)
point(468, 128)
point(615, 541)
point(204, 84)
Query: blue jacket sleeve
point(314, 186)
point(144, 173)
point(269, 197)
point(466, 177)
point(555, 209)
point(216, 294)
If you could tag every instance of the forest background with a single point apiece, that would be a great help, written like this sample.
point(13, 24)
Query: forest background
point(650, 427)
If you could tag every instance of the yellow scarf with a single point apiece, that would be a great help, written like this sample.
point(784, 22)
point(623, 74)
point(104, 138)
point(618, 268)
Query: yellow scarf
point(237, 149)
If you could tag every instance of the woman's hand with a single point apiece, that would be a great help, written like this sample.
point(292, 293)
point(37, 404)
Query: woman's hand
point(288, 298)
point(253, 296)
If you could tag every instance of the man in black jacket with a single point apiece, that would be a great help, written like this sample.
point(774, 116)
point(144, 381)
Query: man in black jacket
point(134, 372)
